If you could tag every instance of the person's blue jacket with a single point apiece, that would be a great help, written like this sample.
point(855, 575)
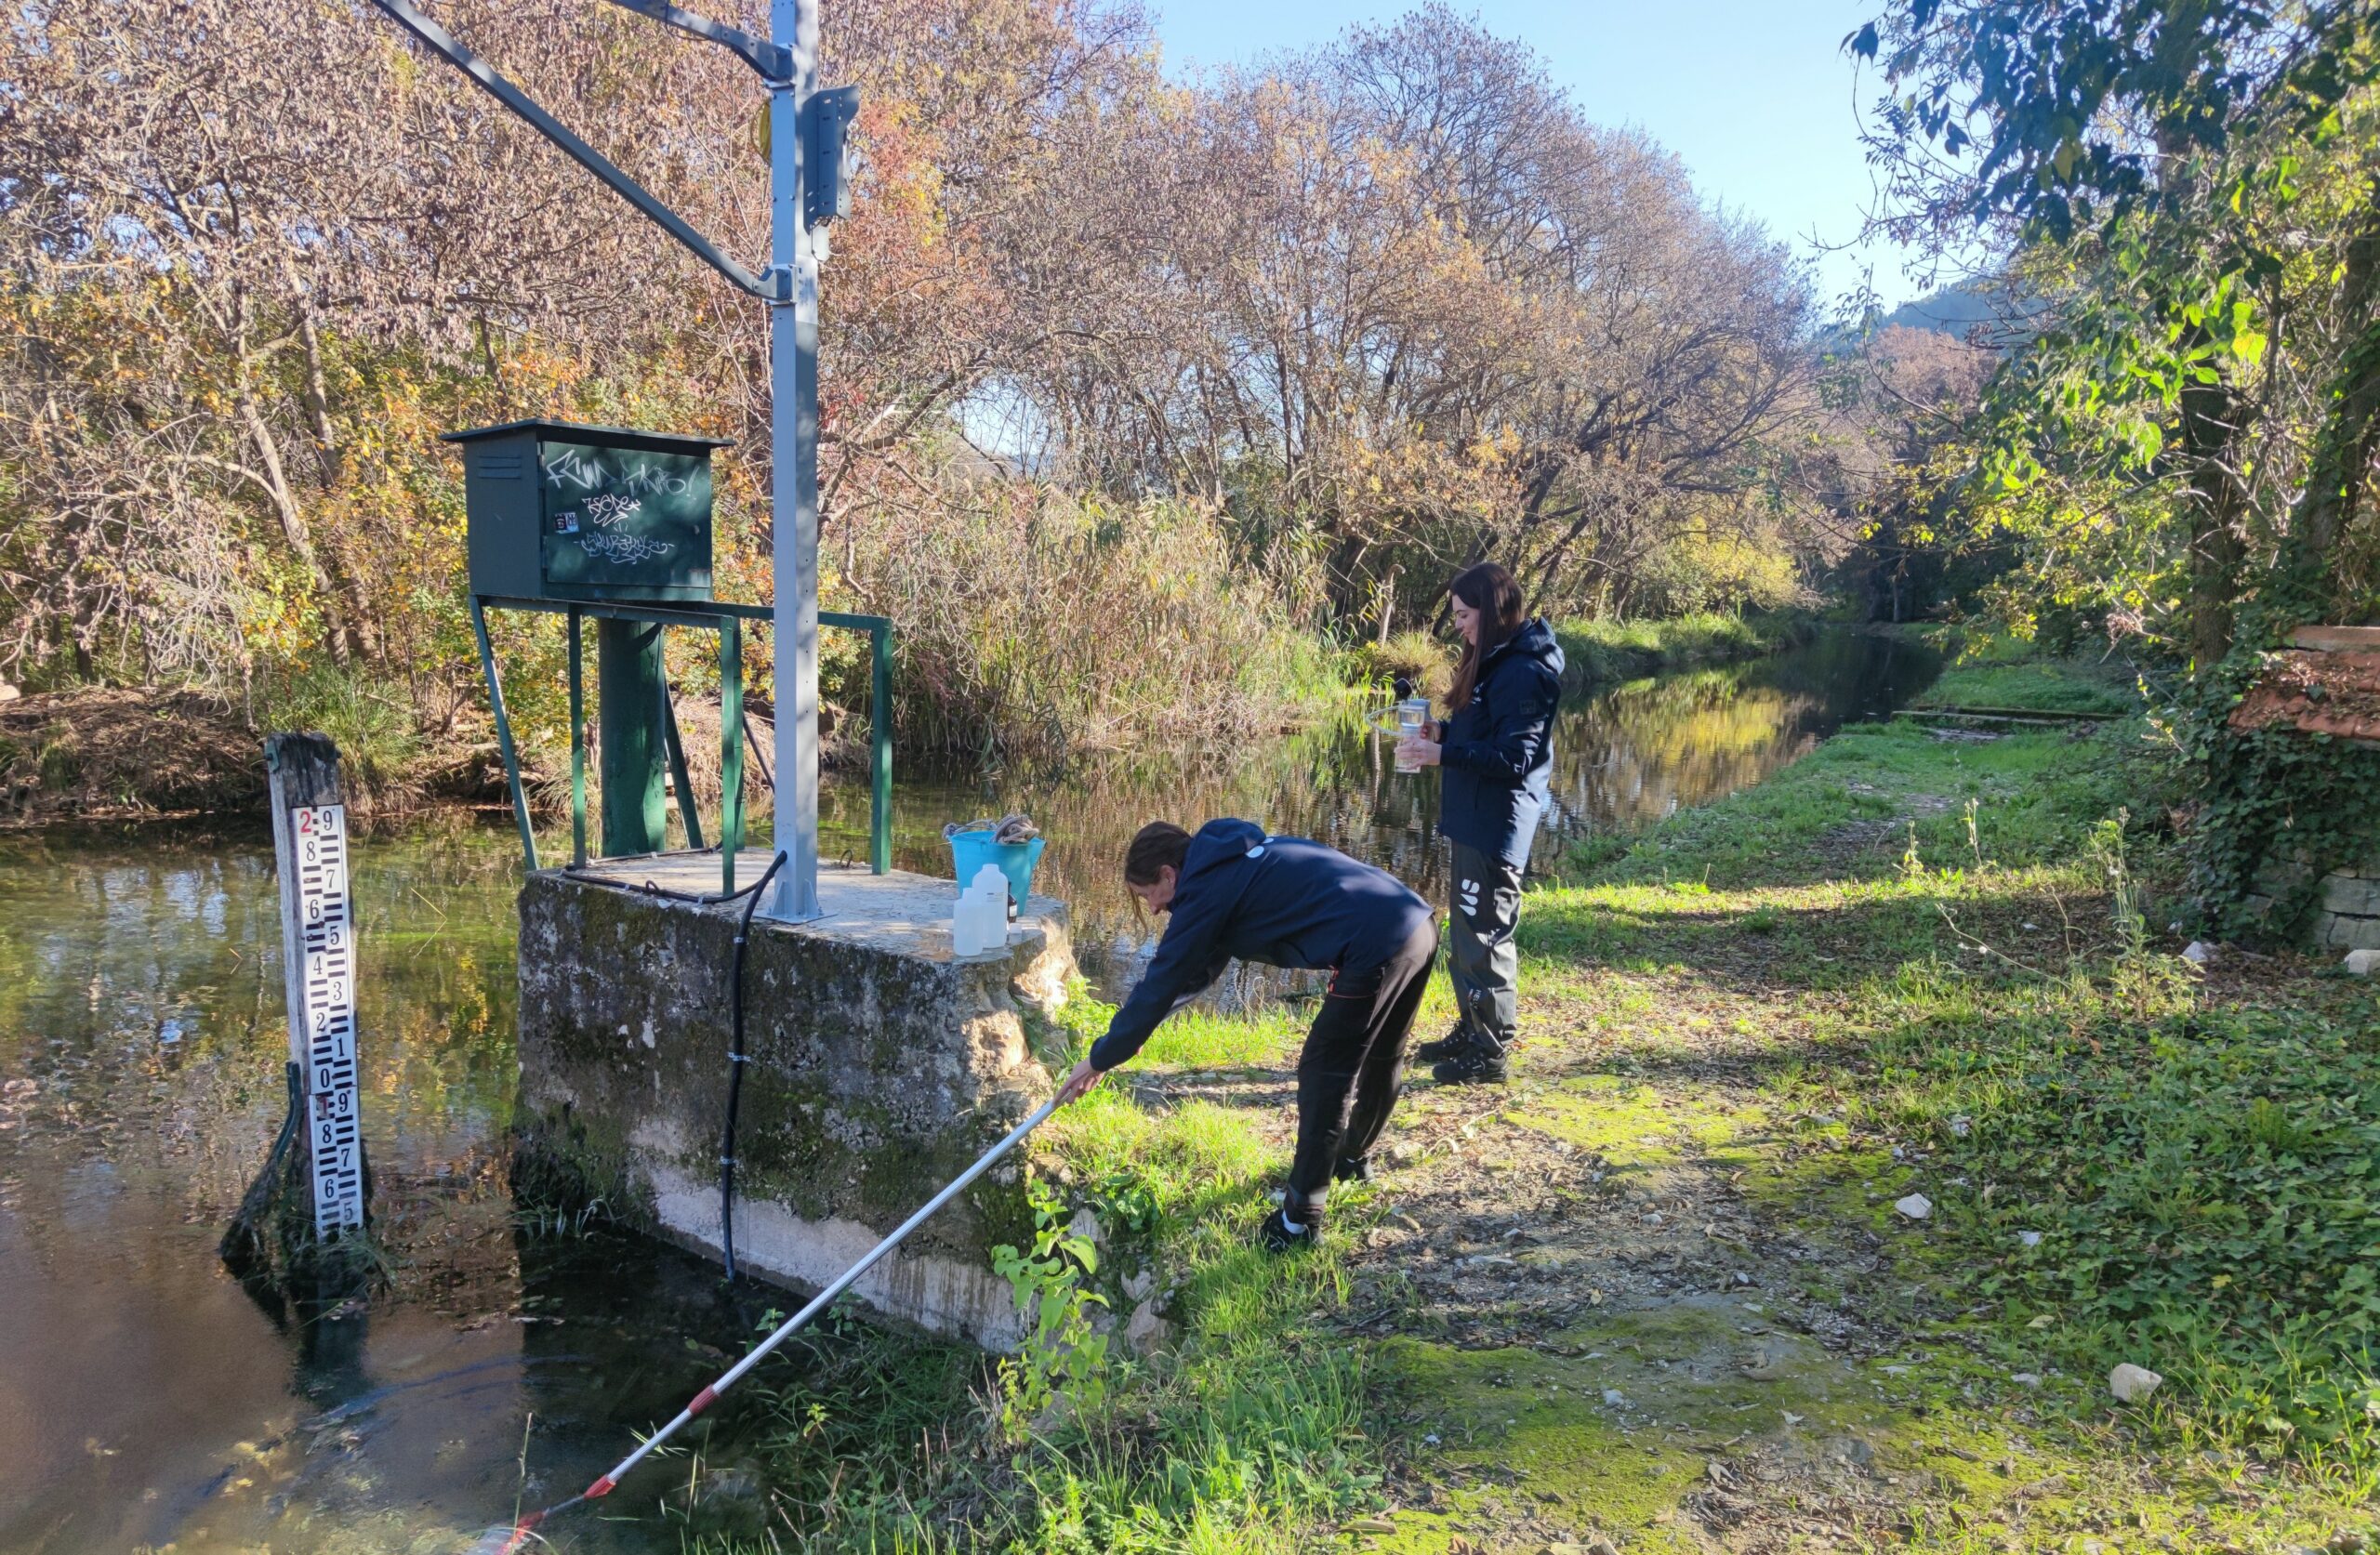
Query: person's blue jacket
point(1282, 901)
point(1498, 749)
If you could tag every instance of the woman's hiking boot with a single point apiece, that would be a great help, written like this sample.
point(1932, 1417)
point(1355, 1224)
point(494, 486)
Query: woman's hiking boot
point(1457, 1040)
point(1275, 1235)
point(1475, 1065)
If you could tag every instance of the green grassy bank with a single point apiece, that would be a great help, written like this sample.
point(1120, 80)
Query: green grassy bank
point(1674, 1290)
point(1599, 651)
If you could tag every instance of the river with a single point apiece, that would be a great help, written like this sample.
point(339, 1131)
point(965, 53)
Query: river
point(147, 1400)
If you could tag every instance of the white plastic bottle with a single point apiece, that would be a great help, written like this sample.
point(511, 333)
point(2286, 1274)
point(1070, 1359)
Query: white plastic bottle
point(979, 918)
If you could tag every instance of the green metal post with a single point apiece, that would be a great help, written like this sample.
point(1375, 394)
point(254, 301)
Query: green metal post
point(577, 746)
point(879, 732)
point(731, 748)
point(631, 764)
point(677, 768)
point(504, 734)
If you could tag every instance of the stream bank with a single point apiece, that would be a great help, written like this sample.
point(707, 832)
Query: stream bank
point(1855, 1136)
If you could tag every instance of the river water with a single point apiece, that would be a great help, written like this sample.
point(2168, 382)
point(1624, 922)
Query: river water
point(145, 1399)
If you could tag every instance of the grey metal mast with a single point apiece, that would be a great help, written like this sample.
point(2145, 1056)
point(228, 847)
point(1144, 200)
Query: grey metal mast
point(793, 457)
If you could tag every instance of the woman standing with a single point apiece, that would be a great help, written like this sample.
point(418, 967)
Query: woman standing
point(1232, 891)
point(1497, 749)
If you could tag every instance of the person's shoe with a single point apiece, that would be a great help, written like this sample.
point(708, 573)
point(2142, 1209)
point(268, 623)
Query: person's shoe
point(1473, 1066)
point(1275, 1235)
point(1456, 1041)
point(1357, 1170)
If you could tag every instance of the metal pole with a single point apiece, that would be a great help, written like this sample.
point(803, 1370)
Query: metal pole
point(731, 749)
point(688, 812)
point(504, 734)
point(880, 739)
point(577, 746)
point(793, 454)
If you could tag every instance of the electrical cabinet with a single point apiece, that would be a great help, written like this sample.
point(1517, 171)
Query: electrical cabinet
point(560, 511)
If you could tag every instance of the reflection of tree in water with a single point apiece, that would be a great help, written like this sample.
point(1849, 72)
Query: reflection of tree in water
point(1650, 747)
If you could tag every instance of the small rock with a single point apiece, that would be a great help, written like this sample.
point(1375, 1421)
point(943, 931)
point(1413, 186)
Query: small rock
point(2363, 963)
point(2198, 953)
point(1653, 1218)
point(1086, 1224)
point(2027, 1378)
point(1401, 1153)
point(2131, 1383)
point(1147, 1332)
point(1962, 1126)
point(1368, 1525)
point(1917, 1206)
point(1764, 1368)
point(1140, 1286)
point(1614, 1397)
point(2030, 1238)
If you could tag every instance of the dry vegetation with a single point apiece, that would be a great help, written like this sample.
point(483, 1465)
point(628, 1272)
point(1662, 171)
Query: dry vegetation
point(1336, 327)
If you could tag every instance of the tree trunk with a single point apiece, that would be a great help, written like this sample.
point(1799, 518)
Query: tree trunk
point(2304, 586)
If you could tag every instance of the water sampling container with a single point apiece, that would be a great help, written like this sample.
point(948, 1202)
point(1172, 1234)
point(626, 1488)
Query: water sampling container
point(970, 851)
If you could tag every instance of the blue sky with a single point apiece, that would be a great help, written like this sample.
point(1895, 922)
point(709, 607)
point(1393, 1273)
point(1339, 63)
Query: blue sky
point(1754, 96)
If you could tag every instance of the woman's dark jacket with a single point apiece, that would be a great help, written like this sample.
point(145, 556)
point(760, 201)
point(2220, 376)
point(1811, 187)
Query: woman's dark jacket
point(1497, 748)
point(1278, 900)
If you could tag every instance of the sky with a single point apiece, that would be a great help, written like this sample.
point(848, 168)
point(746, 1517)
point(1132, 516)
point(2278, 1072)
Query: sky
point(1754, 96)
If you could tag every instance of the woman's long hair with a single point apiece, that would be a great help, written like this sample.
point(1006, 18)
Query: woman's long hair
point(1490, 590)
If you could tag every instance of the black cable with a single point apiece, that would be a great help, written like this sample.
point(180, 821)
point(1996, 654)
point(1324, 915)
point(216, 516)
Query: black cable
point(736, 1060)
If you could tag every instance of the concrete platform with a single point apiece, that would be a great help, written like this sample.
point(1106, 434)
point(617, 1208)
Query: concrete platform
point(881, 1064)
point(900, 913)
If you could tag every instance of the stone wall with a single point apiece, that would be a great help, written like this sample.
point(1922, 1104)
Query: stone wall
point(2345, 911)
point(882, 1065)
point(2347, 914)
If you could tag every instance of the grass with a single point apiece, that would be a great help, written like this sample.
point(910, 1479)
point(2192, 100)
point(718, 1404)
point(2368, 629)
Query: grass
point(1599, 651)
point(1998, 673)
point(1905, 965)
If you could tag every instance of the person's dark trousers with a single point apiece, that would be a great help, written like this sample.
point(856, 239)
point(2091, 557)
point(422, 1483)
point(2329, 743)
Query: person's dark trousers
point(1481, 959)
point(1350, 1069)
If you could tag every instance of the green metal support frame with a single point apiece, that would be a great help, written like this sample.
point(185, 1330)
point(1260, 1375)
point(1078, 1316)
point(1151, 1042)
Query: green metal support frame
point(728, 621)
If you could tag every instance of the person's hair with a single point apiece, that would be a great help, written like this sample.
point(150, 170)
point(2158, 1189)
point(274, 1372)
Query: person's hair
point(1490, 590)
point(1158, 845)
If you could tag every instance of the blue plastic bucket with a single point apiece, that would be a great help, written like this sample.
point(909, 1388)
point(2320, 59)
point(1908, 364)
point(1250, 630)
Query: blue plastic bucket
point(970, 851)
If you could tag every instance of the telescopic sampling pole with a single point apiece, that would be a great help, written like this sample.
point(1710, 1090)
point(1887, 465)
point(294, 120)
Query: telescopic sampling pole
point(708, 1396)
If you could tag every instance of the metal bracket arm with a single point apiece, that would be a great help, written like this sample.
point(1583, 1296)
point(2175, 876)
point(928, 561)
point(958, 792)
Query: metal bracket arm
point(776, 285)
point(775, 65)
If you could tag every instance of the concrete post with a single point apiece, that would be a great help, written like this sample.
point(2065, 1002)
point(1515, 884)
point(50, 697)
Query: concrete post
point(628, 703)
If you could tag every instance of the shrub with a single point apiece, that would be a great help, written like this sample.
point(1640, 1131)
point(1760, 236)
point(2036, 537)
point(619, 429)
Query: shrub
point(1033, 625)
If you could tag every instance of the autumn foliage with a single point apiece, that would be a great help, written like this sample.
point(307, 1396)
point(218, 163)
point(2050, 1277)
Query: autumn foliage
point(1333, 328)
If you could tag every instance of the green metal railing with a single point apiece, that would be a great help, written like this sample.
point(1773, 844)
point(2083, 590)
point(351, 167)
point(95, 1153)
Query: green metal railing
point(728, 621)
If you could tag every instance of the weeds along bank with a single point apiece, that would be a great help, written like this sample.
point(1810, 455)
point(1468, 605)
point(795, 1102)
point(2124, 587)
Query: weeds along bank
point(1674, 1289)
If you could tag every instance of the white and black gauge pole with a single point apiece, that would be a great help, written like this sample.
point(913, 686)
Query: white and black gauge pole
point(318, 957)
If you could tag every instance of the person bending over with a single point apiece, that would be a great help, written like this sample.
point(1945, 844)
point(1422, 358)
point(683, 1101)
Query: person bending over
point(1233, 892)
point(1497, 750)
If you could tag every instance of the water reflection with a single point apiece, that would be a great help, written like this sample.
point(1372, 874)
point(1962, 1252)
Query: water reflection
point(1625, 757)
